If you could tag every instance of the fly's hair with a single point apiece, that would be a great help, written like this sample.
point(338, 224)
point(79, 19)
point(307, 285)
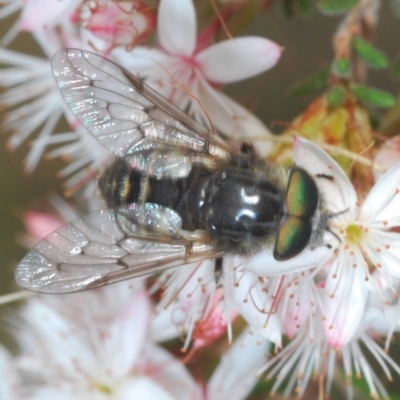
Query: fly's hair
point(323, 217)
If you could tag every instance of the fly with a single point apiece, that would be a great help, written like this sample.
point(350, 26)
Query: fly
point(176, 193)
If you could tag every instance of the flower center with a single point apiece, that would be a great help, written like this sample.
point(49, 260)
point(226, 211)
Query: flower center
point(104, 388)
point(354, 233)
point(190, 62)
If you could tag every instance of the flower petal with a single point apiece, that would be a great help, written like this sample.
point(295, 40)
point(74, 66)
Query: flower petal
point(382, 202)
point(153, 65)
point(381, 321)
point(387, 258)
point(177, 27)
point(60, 392)
point(264, 264)
point(171, 374)
point(39, 14)
point(141, 59)
point(344, 303)
point(162, 327)
point(337, 191)
point(297, 304)
point(50, 339)
point(125, 338)
point(247, 354)
point(239, 58)
point(142, 388)
point(234, 120)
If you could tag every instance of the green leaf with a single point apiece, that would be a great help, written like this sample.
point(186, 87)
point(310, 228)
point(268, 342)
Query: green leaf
point(305, 6)
point(373, 97)
point(370, 54)
point(394, 396)
point(335, 7)
point(341, 67)
point(336, 96)
point(396, 68)
point(311, 84)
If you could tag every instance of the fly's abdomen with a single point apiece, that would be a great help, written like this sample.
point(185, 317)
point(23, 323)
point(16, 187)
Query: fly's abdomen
point(120, 184)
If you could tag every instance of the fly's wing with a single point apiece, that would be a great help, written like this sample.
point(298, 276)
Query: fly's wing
point(98, 249)
point(122, 112)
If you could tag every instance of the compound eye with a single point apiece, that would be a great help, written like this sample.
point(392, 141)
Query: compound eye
point(293, 237)
point(301, 194)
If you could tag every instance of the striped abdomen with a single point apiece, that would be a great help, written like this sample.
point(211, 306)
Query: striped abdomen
point(119, 184)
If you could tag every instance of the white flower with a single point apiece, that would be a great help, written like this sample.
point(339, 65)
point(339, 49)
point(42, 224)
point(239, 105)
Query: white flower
point(309, 355)
point(365, 239)
point(32, 101)
point(36, 15)
point(187, 73)
point(360, 238)
point(95, 345)
point(293, 305)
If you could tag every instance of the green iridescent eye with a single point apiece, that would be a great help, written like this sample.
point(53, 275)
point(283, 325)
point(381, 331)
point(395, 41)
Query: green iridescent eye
point(296, 226)
point(293, 237)
point(301, 194)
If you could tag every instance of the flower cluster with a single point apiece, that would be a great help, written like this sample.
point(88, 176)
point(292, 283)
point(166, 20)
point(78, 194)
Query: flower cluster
point(299, 318)
point(177, 65)
point(346, 292)
point(100, 345)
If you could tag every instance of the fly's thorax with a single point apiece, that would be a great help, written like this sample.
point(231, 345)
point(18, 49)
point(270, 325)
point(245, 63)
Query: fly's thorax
point(243, 209)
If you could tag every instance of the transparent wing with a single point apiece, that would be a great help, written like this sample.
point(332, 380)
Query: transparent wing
point(121, 111)
point(96, 250)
